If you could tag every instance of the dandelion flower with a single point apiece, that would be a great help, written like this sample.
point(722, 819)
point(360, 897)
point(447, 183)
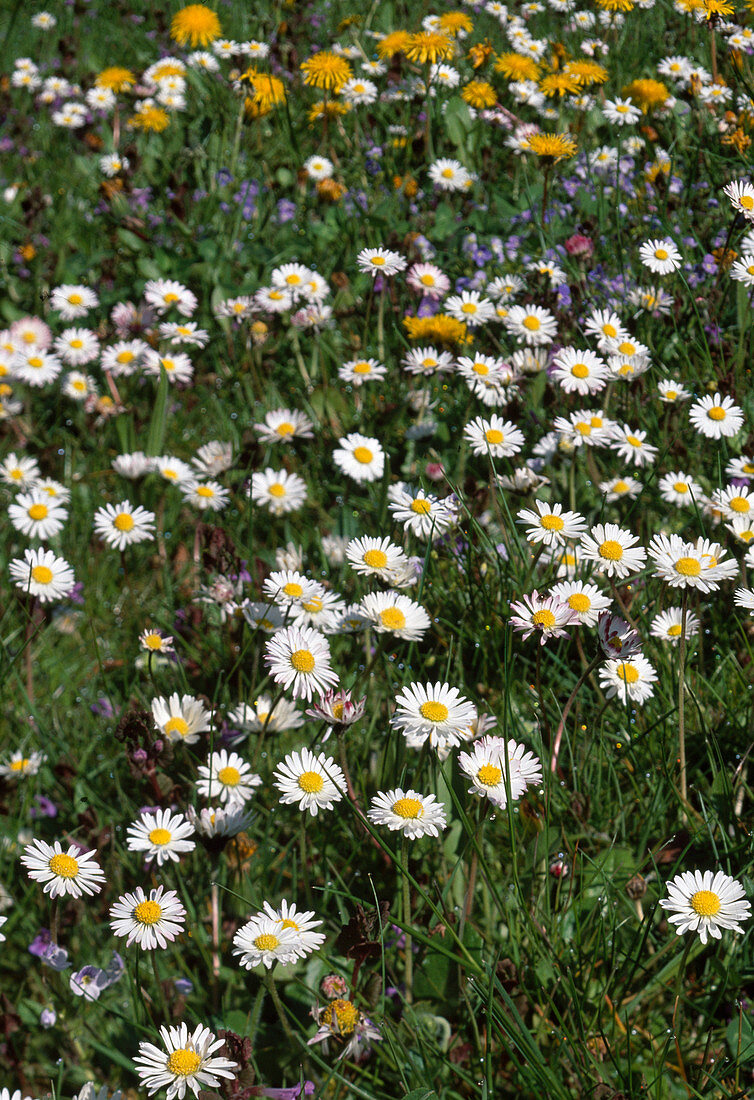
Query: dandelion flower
point(195, 25)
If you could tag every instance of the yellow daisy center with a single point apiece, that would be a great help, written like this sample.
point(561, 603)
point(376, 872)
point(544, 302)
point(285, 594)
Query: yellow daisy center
point(229, 777)
point(610, 330)
point(266, 942)
point(582, 427)
point(408, 808)
point(75, 299)
point(284, 429)
point(177, 725)
point(19, 765)
point(314, 605)
point(37, 511)
point(747, 202)
point(468, 307)
point(124, 521)
point(621, 487)
point(434, 712)
point(489, 776)
point(680, 487)
point(705, 902)
point(543, 618)
point(76, 343)
point(580, 370)
point(311, 782)
point(611, 550)
point(739, 504)
point(346, 1015)
point(362, 367)
point(688, 567)
point(160, 837)
point(302, 660)
point(531, 323)
point(717, 412)
point(494, 436)
point(276, 489)
point(375, 559)
point(633, 440)
point(41, 574)
point(551, 522)
point(627, 673)
point(153, 641)
point(674, 630)
point(392, 618)
point(147, 912)
point(420, 506)
point(204, 491)
point(661, 253)
point(64, 866)
point(579, 601)
point(183, 1063)
point(363, 455)
point(293, 589)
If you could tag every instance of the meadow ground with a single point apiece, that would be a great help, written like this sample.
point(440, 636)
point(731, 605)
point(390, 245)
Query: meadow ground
point(376, 464)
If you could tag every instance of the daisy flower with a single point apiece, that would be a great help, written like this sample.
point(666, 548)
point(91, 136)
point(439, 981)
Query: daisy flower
point(220, 821)
point(178, 366)
point(278, 490)
point(154, 641)
point(714, 416)
point(436, 713)
point(226, 776)
point(409, 812)
point(337, 709)
point(20, 473)
point(213, 458)
point(682, 564)
point(428, 280)
point(162, 836)
point(585, 600)
point(534, 325)
point(494, 765)
point(73, 872)
point(186, 1062)
point(621, 112)
point(550, 524)
point(121, 525)
point(621, 487)
point(311, 782)
point(77, 346)
point(668, 625)
point(165, 294)
point(741, 195)
point(579, 371)
point(73, 302)
point(470, 307)
point(289, 586)
point(380, 261)
point(375, 557)
point(303, 923)
point(613, 549)
point(734, 501)
point(42, 574)
point(36, 515)
point(359, 371)
point(742, 270)
point(394, 613)
point(187, 333)
point(360, 457)
point(449, 175)
point(629, 444)
point(20, 765)
point(180, 718)
point(149, 921)
point(299, 659)
point(421, 513)
point(283, 425)
point(545, 615)
point(427, 361)
point(630, 679)
point(264, 940)
point(661, 257)
point(318, 168)
point(495, 436)
point(679, 489)
point(605, 325)
point(701, 902)
point(671, 391)
point(124, 358)
point(205, 495)
point(322, 609)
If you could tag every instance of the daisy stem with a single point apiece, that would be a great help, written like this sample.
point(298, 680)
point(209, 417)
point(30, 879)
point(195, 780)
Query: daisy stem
point(406, 914)
point(381, 324)
point(304, 861)
point(160, 989)
point(681, 699)
point(54, 915)
point(215, 908)
point(272, 990)
point(567, 710)
point(27, 650)
point(675, 1022)
point(713, 52)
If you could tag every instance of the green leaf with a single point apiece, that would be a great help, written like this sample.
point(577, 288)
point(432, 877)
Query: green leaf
point(421, 1094)
point(159, 416)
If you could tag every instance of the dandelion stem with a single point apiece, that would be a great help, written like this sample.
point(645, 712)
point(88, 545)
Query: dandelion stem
point(406, 913)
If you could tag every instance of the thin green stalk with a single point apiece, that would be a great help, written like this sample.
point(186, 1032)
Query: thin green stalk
point(406, 914)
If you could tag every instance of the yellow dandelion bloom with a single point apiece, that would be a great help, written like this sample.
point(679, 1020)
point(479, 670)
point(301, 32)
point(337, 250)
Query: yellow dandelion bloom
point(587, 72)
point(616, 5)
point(479, 53)
point(551, 147)
point(647, 93)
point(441, 327)
point(479, 94)
point(267, 92)
point(454, 21)
point(330, 190)
point(392, 43)
point(514, 66)
point(326, 70)
point(330, 109)
point(195, 25)
point(716, 8)
point(115, 77)
point(152, 119)
point(429, 47)
point(560, 84)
